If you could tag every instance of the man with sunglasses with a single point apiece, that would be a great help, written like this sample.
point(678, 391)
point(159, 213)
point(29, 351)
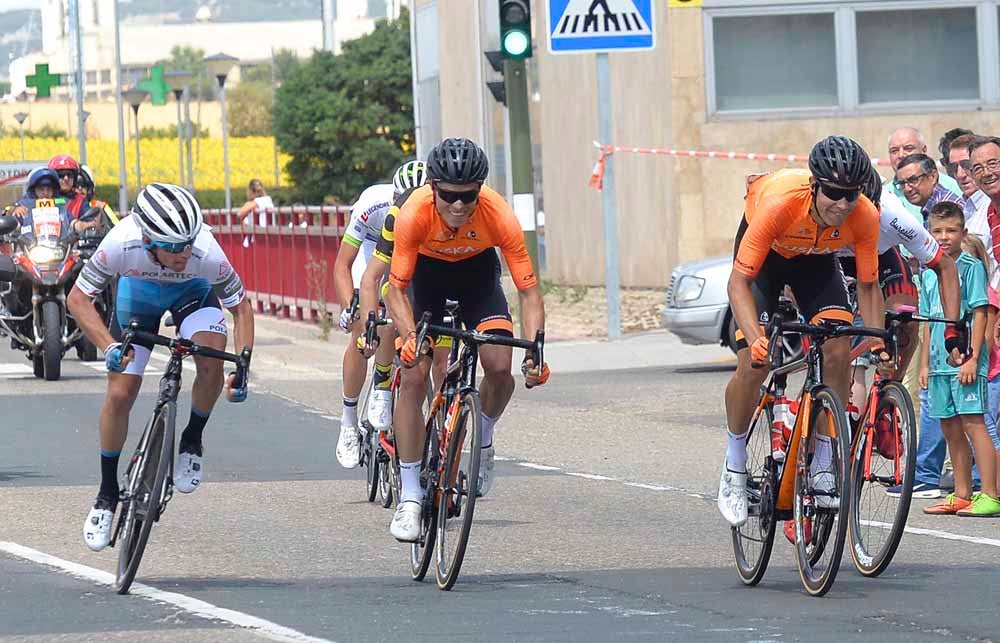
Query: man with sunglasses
point(794, 223)
point(975, 203)
point(917, 179)
point(167, 261)
point(68, 171)
point(444, 238)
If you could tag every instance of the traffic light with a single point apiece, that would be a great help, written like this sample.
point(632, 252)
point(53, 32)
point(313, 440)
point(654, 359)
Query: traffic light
point(496, 87)
point(515, 28)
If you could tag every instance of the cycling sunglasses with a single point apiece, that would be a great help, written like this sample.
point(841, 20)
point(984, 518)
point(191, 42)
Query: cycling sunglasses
point(172, 248)
point(836, 194)
point(449, 196)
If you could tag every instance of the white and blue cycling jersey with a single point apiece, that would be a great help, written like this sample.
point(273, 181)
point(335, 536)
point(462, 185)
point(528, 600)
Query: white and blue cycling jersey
point(146, 290)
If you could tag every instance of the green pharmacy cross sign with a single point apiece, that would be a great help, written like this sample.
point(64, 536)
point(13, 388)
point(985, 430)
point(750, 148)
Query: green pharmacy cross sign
point(156, 86)
point(42, 80)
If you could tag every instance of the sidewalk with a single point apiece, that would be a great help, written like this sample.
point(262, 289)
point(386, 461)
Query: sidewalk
point(288, 348)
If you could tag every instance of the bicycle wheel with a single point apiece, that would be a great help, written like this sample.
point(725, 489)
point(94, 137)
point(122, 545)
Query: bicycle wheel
point(822, 493)
point(877, 519)
point(458, 490)
point(422, 551)
point(147, 481)
point(388, 478)
point(753, 541)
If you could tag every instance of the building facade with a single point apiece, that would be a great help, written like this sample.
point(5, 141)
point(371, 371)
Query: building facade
point(764, 76)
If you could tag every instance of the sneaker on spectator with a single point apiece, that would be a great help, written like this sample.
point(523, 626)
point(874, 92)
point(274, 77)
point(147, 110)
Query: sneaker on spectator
point(982, 506)
point(950, 506)
point(921, 490)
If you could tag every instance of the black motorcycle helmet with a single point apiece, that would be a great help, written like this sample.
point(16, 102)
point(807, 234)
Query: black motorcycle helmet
point(840, 160)
point(458, 161)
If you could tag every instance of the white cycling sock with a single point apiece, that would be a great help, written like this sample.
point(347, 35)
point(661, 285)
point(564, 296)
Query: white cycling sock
point(349, 417)
point(488, 425)
point(822, 456)
point(409, 473)
point(736, 453)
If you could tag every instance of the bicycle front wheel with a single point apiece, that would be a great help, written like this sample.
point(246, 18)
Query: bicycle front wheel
point(884, 456)
point(422, 551)
point(458, 490)
point(822, 492)
point(753, 541)
point(147, 480)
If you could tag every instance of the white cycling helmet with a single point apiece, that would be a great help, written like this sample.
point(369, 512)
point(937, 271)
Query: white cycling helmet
point(412, 174)
point(167, 213)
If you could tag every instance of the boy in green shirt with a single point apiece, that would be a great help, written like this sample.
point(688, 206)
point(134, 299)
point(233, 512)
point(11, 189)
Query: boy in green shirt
point(958, 394)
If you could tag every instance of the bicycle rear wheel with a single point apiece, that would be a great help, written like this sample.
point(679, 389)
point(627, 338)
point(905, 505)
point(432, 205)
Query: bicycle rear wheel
point(388, 477)
point(753, 541)
point(458, 490)
point(877, 519)
point(822, 501)
point(370, 442)
point(147, 480)
point(422, 551)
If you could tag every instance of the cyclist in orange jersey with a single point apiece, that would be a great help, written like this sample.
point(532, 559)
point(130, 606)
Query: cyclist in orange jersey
point(444, 237)
point(793, 226)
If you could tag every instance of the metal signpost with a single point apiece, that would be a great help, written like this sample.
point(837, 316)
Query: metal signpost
point(602, 26)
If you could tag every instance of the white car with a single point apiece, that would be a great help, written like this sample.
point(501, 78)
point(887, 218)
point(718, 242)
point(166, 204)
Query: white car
point(697, 308)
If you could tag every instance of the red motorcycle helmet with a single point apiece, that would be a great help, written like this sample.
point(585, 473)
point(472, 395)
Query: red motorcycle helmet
point(63, 162)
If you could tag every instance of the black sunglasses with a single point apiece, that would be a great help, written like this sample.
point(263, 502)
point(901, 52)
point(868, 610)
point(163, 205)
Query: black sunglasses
point(450, 196)
point(836, 194)
point(952, 168)
point(62, 174)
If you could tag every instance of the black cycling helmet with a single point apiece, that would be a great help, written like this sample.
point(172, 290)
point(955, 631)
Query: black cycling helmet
point(873, 188)
point(458, 161)
point(840, 160)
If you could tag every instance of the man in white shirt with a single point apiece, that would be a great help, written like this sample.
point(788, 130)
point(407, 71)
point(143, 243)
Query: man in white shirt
point(257, 201)
point(974, 202)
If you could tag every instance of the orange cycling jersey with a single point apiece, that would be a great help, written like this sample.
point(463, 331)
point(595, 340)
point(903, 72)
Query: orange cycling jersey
point(778, 219)
point(419, 229)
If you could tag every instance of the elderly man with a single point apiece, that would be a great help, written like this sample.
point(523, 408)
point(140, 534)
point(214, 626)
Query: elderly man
point(975, 203)
point(917, 178)
point(904, 142)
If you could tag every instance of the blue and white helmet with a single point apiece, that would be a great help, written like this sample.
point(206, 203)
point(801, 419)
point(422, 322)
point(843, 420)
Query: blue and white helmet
point(167, 213)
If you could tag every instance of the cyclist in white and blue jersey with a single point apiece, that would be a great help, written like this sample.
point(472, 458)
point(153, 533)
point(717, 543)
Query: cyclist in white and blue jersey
point(167, 260)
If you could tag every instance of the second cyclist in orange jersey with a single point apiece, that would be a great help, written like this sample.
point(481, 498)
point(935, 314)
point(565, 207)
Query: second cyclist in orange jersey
point(778, 218)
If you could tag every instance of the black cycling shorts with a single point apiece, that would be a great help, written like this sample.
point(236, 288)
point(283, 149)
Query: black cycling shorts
point(895, 276)
point(474, 283)
point(816, 282)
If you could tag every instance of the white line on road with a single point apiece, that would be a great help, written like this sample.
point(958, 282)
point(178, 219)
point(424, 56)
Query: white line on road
point(934, 533)
point(259, 626)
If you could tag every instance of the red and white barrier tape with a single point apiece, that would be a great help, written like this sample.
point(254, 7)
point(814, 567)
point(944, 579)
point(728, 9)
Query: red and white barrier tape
point(597, 176)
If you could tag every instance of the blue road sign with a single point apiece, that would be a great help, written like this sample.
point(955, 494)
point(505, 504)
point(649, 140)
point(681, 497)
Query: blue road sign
point(587, 26)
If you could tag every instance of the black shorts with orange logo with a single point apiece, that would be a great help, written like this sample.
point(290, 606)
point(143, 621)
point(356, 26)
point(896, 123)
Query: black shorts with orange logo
point(816, 281)
point(474, 283)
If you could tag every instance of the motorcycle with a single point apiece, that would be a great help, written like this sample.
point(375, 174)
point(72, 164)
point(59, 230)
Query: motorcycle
point(46, 259)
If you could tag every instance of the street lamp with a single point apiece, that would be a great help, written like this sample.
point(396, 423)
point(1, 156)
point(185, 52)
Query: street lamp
point(19, 117)
point(134, 97)
point(219, 65)
point(179, 81)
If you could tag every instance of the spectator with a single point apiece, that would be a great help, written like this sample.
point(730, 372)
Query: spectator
point(974, 202)
point(902, 143)
point(958, 394)
point(978, 250)
point(944, 143)
point(918, 179)
point(257, 201)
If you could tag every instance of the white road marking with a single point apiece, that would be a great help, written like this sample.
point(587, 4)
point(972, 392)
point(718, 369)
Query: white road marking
point(935, 533)
point(16, 372)
point(200, 608)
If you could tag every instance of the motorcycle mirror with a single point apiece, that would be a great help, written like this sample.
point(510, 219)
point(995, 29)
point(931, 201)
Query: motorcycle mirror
point(8, 224)
point(7, 270)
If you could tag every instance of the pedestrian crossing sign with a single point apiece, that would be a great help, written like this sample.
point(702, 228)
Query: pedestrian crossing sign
point(587, 26)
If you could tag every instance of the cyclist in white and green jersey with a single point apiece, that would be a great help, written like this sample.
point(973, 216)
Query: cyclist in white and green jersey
point(363, 232)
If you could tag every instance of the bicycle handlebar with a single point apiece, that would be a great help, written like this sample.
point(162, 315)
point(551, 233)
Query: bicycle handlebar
point(535, 347)
point(187, 347)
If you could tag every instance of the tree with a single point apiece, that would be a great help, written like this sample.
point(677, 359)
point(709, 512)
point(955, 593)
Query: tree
point(250, 109)
point(285, 61)
point(192, 60)
point(347, 120)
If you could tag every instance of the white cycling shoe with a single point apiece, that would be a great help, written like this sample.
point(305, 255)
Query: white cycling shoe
point(486, 456)
point(97, 528)
point(732, 498)
point(380, 409)
point(405, 525)
point(348, 447)
point(189, 471)
point(826, 482)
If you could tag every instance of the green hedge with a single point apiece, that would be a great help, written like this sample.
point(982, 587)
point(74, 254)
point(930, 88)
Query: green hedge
point(208, 198)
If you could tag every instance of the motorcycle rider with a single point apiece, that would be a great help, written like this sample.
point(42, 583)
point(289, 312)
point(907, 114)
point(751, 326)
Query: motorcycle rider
point(68, 171)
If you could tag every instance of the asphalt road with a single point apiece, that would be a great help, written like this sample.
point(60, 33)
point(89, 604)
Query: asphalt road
point(600, 527)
